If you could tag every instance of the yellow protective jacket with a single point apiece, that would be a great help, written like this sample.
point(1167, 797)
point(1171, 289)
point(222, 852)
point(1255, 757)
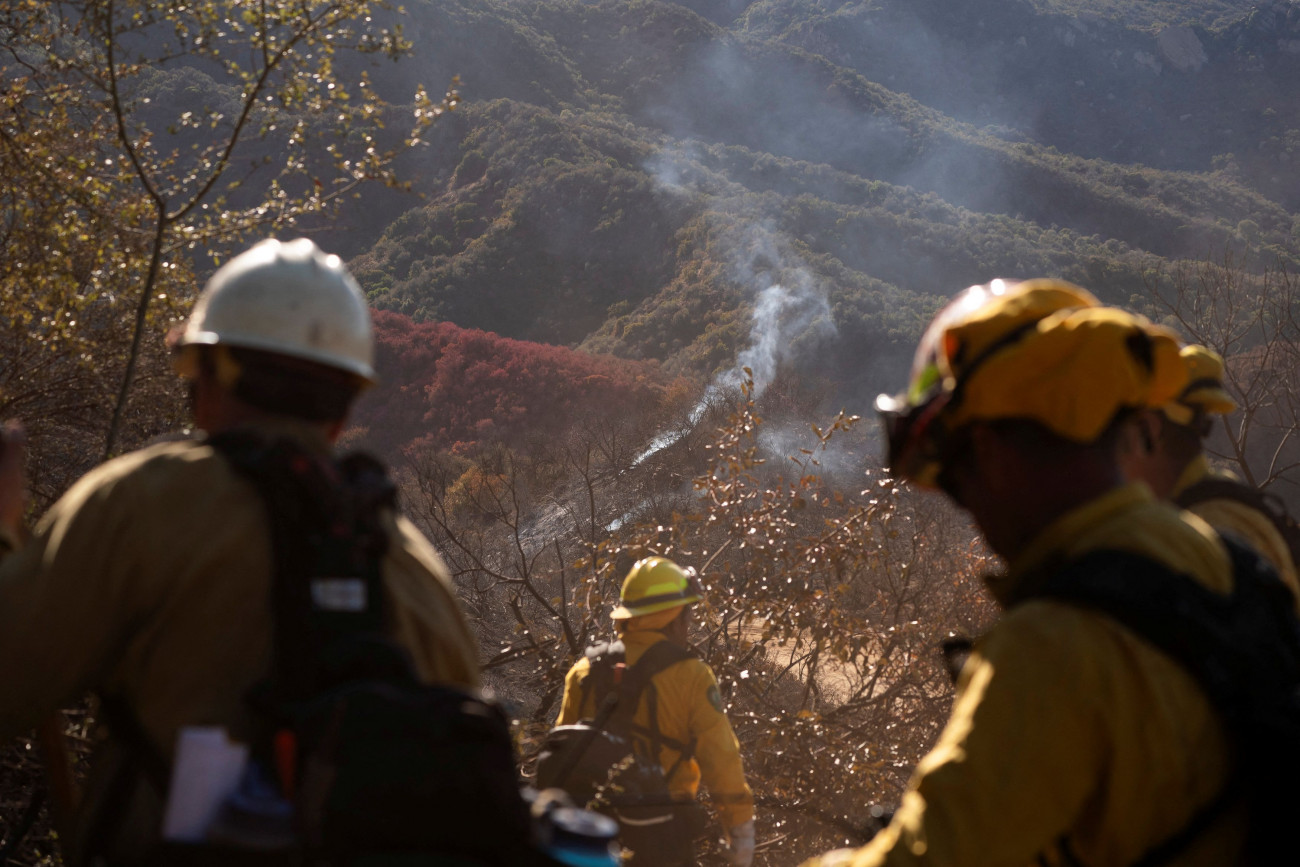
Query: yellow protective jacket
point(149, 582)
point(1069, 735)
point(1241, 520)
point(690, 707)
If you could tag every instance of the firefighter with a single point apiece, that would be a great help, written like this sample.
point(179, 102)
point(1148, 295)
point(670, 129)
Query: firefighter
point(655, 606)
point(148, 582)
point(1167, 452)
point(1071, 740)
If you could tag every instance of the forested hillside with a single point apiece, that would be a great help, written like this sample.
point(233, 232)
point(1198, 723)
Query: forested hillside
point(629, 177)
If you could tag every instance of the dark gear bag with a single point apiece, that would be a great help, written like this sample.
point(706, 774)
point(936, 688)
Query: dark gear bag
point(1266, 504)
point(373, 761)
point(611, 763)
point(1243, 649)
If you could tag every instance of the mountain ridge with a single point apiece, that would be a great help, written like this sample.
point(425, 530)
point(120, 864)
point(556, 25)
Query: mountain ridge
point(608, 188)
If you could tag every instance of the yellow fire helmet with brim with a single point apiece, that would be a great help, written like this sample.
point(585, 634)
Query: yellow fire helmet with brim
point(1040, 350)
point(1204, 393)
point(656, 584)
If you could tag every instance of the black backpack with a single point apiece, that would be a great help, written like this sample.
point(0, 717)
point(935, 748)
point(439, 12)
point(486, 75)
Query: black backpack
point(1271, 507)
point(372, 760)
point(1243, 650)
point(611, 762)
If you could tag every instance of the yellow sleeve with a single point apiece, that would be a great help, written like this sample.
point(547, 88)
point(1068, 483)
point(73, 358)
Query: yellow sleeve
point(571, 703)
point(1023, 749)
point(1255, 529)
point(717, 751)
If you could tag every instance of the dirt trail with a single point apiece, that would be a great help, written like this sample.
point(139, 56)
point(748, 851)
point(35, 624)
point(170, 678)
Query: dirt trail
point(835, 679)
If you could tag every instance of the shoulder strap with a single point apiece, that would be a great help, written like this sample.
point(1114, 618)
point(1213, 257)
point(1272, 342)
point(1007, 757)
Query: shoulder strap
point(620, 703)
point(658, 657)
point(637, 684)
point(1253, 498)
point(1174, 613)
point(1212, 488)
point(327, 547)
point(1238, 647)
point(1243, 649)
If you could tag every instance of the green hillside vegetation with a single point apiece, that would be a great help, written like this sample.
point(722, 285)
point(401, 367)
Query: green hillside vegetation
point(611, 186)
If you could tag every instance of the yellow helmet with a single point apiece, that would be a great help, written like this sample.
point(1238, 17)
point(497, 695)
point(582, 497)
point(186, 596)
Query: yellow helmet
point(655, 584)
point(1204, 392)
point(1040, 350)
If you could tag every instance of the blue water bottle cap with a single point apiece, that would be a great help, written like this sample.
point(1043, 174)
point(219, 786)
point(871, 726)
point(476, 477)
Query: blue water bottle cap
point(581, 838)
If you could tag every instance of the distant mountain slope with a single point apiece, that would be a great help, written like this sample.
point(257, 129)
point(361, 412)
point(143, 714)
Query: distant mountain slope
point(634, 176)
point(1110, 82)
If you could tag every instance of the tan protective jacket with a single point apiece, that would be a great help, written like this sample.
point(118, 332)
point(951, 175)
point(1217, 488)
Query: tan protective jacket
point(1233, 516)
point(1069, 733)
point(149, 581)
point(690, 707)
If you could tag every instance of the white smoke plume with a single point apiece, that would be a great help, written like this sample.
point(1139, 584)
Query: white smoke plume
point(791, 312)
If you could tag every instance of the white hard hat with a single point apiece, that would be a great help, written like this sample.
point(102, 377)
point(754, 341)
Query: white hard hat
point(287, 298)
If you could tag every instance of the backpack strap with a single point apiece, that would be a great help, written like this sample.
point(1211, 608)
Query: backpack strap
point(327, 548)
point(659, 656)
point(623, 700)
point(1232, 644)
point(323, 520)
point(1243, 649)
point(1218, 488)
point(1212, 488)
point(637, 682)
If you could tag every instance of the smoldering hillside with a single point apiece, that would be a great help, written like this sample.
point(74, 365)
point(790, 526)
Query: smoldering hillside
point(635, 178)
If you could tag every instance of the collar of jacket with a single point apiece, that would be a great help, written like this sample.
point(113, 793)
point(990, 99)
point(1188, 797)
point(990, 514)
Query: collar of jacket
point(305, 433)
point(643, 637)
point(1129, 519)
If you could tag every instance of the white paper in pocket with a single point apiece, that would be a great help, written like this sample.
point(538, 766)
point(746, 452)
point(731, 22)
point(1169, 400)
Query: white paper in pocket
point(207, 770)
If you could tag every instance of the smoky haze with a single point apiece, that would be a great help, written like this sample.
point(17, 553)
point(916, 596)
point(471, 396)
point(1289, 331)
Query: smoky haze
point(852, 163)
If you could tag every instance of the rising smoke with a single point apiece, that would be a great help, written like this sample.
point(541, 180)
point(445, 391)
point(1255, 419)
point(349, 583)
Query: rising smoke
point(791, 314)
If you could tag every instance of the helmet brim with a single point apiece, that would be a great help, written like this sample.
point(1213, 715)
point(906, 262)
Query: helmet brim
point(688, 595)
point(247, 341)
point(624, 612)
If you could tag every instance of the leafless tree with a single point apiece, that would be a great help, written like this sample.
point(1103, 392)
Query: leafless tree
point(1250, 316)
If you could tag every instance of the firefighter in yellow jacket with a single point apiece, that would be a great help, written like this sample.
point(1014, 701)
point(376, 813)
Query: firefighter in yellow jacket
point(1168, 455)
point(149, 581)
point(1071, 739)
point(656, 601)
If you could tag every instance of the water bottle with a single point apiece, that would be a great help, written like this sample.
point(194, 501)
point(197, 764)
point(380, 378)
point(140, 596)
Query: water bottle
point(581, 838)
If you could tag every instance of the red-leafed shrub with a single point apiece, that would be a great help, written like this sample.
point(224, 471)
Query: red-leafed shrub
point(452, 387)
